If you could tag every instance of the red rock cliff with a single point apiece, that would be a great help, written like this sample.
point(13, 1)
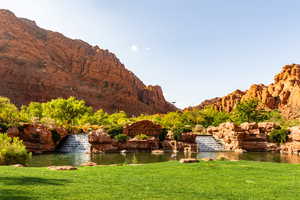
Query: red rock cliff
point(283, 94)
point(39, 65)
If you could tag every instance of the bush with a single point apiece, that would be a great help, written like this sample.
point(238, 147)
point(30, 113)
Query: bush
point(141, 137)
point(279, 136)
point(12, 151)
point(114, 130)
point(248, 111)
point(163, 134)
point(121, 138)
point(9, 113)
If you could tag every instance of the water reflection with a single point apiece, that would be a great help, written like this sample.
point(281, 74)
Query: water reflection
point(146, 157)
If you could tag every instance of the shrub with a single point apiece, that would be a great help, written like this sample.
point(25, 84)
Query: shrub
point(9, 113)
point(278, 136)
point(163, 134)
point(248, 111)
point(114, 130)
point(12, 151)
point(121, 138)
point(141, 137)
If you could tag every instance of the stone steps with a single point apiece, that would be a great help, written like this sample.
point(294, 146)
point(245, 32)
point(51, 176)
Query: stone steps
point(75, 144)
point(207, 143)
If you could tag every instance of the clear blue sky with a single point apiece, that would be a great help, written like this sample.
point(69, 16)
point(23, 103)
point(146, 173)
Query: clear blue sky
point(194, 49)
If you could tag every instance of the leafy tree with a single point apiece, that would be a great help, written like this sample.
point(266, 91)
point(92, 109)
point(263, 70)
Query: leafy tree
point(66, 111)
point(32, 111)
point(98, 118)
point(247, 111)
point(9, 113)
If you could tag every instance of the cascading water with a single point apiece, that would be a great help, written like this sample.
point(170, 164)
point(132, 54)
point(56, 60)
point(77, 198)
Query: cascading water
point(75, 144)
point(207, 143)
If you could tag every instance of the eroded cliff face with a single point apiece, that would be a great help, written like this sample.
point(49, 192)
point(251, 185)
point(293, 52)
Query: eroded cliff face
point(39, 65)
point(283, 94)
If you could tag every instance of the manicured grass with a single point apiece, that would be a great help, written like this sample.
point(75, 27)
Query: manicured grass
point(170, 180)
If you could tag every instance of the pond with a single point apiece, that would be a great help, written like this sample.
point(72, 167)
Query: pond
point(145, 157)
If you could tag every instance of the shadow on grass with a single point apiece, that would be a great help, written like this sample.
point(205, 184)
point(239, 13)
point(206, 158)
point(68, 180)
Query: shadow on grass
point(31, 181)
point(14, 195)
point(19, 194)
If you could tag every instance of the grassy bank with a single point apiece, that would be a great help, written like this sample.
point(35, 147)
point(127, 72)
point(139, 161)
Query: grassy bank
point(169, 180)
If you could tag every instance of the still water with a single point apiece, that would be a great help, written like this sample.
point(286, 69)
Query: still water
point(145, 157)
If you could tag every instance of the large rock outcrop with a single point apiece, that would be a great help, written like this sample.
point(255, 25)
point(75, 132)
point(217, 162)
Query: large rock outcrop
point(38, 138)
point(293, 144)
point(145, 127)
point(39, 65)
point(247, 136)
point(283, 94)
point(102, 142)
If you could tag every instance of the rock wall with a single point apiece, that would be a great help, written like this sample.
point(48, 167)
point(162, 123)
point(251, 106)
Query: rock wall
point(38, 138)
point(247, 136)
point(102, 142)
point(293, 144)
point(39, 65)
point(282, 94)
point(143, 127)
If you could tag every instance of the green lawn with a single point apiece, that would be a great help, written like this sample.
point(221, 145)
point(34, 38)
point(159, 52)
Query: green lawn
point(170, 180)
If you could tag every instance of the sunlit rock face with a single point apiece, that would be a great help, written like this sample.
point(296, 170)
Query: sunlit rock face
point(283, 94)
point(39, 65)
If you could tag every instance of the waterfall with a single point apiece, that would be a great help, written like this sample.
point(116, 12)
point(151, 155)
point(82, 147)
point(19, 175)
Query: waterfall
point(207, 143)
point(75, 144)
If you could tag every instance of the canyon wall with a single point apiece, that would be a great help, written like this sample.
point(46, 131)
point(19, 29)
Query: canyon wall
point(40, 65)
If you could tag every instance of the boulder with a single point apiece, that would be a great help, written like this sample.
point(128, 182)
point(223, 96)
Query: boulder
point(88, 164)
point(63, 168)
point(188, 160)
point(189, 137)
point(99, 137)
point(38, 138)
point(143, 127)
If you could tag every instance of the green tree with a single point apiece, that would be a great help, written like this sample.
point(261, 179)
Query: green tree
point(66, 111)
point(33, 110)
point(9, 113)
point(248, 111)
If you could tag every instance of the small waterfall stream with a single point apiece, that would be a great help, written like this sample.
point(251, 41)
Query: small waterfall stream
point(207, 143)
point(75, 144)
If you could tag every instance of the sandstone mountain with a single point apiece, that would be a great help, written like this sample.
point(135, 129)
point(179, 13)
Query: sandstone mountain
point(39, 65)
point(283, 94)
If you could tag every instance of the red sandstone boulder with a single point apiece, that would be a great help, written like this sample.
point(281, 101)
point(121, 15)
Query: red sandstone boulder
point(38, 138)
point(189, 160)
point(295, 133)
point(249, 126)
point(62, 168)
point(88, 164)
point(135, 144)
point(188, 137)
point(99, 137)
point(143, 127)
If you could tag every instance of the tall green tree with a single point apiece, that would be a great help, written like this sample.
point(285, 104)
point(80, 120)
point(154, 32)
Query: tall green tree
point(66, 111)
point(248, 111)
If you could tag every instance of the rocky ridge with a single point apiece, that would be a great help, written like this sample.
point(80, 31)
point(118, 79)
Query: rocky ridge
point(283, 94)
point(40, 65)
